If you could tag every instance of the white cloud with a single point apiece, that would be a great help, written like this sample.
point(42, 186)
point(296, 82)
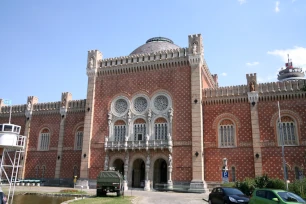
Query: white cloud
point(277, 7)
point(241, 1)
point(252, 63)
point(224, 74)
point(297, 54)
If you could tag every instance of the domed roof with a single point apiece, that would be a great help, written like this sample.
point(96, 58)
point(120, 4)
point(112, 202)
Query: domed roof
point(155, 45)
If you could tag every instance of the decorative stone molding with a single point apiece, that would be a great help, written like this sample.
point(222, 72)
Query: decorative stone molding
point(120, 106)
point(161, 103)
point(293, 114)
point(253, 97)
point(140, 104)
point(226, 116)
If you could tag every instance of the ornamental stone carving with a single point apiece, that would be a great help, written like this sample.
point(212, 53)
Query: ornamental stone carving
point(140, 104)
point(149, 115)
point(121, 106)
point(106, 162)
point(171, 114)
point(170, 161)
point(161, 103)
point(29, 107)
point(110, 116)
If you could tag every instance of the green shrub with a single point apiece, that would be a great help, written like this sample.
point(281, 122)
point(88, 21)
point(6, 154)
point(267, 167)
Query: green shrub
point(276, 184)
point(247, 186)
point(261, 181)
point(230, 184)
point(298, 187)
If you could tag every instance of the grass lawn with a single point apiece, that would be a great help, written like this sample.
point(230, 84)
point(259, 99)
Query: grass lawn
point(108, 199)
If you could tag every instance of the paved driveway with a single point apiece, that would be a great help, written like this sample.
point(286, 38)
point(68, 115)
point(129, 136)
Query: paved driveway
point(167, 197)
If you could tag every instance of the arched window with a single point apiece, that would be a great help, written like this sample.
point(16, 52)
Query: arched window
point(139, 129)
point(44, 139)
point(160, 129)
point(287, 133)
point(227, 133)
point(43, 171)
point(79, 138)
point(233, 174)
point(297, 173)
point(119, 130)
point(36, 171)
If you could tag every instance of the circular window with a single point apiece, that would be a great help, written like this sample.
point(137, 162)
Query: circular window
point(140, 104)
point(121, 106)
point(161, 103)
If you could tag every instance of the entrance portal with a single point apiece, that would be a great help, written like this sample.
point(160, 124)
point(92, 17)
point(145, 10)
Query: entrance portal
point(138, 174)
point(160, 172)
point(119, 166)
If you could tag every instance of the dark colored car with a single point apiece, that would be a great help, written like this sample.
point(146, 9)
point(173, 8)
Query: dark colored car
point(227, 195)
point(274, 196)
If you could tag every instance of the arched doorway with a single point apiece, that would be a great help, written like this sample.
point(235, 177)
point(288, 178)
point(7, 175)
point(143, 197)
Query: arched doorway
point(160, 172)
point(138, 173)
point(119, 166)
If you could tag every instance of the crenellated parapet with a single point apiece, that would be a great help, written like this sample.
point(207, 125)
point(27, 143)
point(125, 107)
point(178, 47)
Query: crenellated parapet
point(77, 106)
point(141, 62)
point(17, 110)
point(267, 92)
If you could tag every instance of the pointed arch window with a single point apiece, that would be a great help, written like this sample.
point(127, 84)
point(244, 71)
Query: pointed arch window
point(233, 174)
point(44, 140)
point(227, 134)
point(36, 171)
point(43, 171)
point(287, 132)
point(79, 138)
point(119, 130)
point(139, 129)
point(160, 129)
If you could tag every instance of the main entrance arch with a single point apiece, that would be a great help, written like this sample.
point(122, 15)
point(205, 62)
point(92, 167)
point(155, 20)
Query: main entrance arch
point(160, 172)
point(138, 173)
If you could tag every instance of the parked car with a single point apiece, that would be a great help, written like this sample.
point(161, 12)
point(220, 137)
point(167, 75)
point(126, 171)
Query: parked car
point(274, 196)
point(227, 195)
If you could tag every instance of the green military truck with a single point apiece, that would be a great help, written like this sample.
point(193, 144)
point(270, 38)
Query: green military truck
point(109, 181)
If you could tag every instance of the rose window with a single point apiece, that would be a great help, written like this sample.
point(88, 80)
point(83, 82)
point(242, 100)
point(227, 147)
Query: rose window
point(161, 103)
point(121, 106)
point(140, 104)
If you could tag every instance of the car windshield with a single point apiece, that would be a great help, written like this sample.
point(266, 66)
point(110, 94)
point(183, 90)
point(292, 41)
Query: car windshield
point(291, 197)
point(232, 191)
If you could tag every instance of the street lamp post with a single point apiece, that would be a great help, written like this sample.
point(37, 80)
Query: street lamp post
point(282, 141)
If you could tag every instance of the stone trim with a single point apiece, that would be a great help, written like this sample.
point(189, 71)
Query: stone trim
point(293, 114)
point(226, 116)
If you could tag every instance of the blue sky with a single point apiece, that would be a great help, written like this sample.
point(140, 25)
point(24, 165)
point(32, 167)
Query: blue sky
point(44, 44)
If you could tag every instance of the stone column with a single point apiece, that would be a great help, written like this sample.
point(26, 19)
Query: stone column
point(66, 97)
point(170, 184)
point(253, 99)
point(28, 114)
point(147, 181)
point(126, 166)
point(195, 57)
point(94, 57)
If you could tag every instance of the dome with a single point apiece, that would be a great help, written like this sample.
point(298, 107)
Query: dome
point(155, 45)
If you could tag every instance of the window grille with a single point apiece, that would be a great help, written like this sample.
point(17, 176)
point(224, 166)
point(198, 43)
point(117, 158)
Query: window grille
point(79, 140)
point(288, 133)
point(119, 132)
point(44, 141)
point(227, 135)
point(139, 131)
point(161, 131)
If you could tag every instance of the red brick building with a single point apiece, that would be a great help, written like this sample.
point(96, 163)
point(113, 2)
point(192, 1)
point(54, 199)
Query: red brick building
point(159, 117)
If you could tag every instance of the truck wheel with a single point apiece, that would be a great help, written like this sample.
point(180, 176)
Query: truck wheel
point(118, 193)
point(103, 193)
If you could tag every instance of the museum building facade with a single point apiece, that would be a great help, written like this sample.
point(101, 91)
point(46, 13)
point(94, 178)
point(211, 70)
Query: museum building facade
point(159, 117)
